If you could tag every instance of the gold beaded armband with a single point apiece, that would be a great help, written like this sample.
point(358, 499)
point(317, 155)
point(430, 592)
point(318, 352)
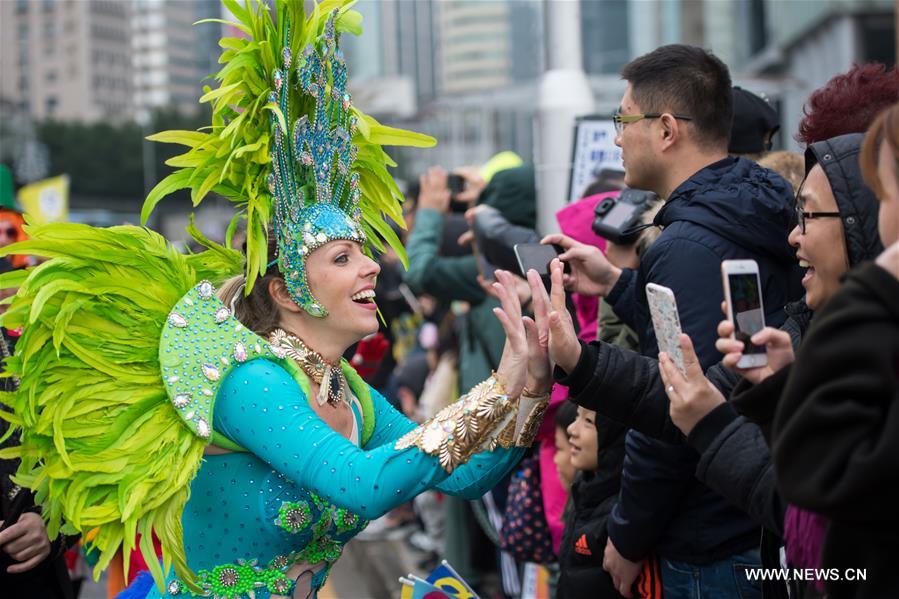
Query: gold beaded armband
point(465, 427)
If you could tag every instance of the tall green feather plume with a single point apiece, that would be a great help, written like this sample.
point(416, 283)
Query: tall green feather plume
point(232, 157)
point(101, 444)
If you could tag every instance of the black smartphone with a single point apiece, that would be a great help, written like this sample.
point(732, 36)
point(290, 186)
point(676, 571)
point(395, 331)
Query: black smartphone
point(537, 256)
point(455, 183)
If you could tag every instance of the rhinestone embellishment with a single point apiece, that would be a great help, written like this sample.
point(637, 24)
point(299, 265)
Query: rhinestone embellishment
point(203, 428)
point(240, 352)
point(294, 516)
point(228, 577)
point(281, 586)
point(174, 588)
point(176, 320)
point(181, 400)
point(210, 372)
point(206, 290)
point(221, 315)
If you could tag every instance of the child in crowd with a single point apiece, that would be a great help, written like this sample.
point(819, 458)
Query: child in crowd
point(593, 493)
point(565, 417)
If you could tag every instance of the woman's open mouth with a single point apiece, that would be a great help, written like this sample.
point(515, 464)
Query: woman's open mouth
point(809, 270)
point(365, 298)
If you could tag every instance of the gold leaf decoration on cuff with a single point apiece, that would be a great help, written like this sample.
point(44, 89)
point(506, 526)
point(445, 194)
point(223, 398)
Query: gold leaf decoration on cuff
point(461, 429)
point(506, 437)
point(532, 423)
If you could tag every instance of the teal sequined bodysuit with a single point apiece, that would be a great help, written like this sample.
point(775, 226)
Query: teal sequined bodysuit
point(273, 520)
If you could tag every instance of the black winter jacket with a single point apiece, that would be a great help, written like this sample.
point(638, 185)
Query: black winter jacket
point(49, 579)
point(581, 575)
point(732, 209)
point(836, 430)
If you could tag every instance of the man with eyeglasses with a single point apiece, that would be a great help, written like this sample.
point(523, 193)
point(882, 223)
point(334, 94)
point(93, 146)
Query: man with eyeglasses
point(673, 126)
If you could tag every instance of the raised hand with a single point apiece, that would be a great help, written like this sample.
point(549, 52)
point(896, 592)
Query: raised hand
point(433, 192)
point(551, 313)
point(539, 378)
point(513, 365)
point(591, 272)
point(692, 396)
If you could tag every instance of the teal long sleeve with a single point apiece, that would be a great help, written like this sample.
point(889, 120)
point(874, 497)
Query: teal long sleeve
point(261, 408)
point(470, 480)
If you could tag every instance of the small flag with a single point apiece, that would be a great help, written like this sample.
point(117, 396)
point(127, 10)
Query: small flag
point(426, 590)
point(408, 588)
point(446, 578)
point(46, 201)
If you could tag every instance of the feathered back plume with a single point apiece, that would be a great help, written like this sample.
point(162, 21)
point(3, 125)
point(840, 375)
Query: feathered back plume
point(100, 443)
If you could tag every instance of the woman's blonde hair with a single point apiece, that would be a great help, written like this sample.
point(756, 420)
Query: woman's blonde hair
point(789, 165)
point(257, 310)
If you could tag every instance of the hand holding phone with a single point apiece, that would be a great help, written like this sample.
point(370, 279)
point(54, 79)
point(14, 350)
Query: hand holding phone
point(538, 257)
point(743, 296)
point(666, 322)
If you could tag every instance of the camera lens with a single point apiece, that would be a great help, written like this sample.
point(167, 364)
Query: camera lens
point(604, 206)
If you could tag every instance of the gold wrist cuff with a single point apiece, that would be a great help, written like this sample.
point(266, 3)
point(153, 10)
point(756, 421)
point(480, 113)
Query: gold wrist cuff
point(528, 393)
point(530, 417)
point(459, 430)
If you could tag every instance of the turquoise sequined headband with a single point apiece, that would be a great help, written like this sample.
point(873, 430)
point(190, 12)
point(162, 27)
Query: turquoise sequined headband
point(315, 192)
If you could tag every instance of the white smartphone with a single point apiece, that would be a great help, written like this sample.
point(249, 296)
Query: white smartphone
point(666, 322)
point(743, 294)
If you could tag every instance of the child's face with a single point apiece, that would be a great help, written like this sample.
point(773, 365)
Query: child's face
point(584, 444)
point(562, 458)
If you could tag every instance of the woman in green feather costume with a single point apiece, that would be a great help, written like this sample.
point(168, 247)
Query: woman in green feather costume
point(226, 423)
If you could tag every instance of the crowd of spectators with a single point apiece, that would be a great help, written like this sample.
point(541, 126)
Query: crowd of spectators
point(648, 481)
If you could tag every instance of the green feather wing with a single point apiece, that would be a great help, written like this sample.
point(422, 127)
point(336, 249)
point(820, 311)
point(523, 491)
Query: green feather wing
point(101, 444)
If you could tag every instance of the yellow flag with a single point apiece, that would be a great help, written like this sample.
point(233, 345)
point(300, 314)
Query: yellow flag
point(46, 201)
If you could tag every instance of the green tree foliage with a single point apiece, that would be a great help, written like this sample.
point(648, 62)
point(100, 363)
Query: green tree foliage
point(106, 160)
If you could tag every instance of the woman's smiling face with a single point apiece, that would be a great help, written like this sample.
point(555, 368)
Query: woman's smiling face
point(821, 249)
point(343, 278)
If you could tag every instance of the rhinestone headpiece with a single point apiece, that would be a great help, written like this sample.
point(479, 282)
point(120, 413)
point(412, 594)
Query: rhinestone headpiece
point(315, 191)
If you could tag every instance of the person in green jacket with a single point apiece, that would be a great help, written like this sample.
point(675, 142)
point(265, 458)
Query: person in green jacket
point(454, 278)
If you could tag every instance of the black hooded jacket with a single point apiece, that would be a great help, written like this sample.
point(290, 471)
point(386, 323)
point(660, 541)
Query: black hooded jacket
point(732, 209)
point(858, 208)
point(864, 539)
point(725, 438)
point(581, 575)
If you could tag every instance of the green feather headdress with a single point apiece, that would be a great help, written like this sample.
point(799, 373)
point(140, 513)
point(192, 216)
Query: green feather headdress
point(254, 156)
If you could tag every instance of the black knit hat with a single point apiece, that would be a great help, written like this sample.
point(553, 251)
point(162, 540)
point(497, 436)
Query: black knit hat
point(755, 120)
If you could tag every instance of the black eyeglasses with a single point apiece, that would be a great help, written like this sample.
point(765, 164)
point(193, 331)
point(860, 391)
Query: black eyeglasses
point(621, 120)
point(804, 216)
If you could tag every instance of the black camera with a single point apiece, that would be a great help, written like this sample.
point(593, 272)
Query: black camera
point(618, 219)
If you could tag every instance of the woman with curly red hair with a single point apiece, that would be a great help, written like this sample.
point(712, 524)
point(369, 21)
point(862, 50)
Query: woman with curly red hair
point(849, 102)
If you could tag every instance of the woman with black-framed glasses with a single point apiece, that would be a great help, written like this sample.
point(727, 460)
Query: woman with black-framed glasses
point(833, 221)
